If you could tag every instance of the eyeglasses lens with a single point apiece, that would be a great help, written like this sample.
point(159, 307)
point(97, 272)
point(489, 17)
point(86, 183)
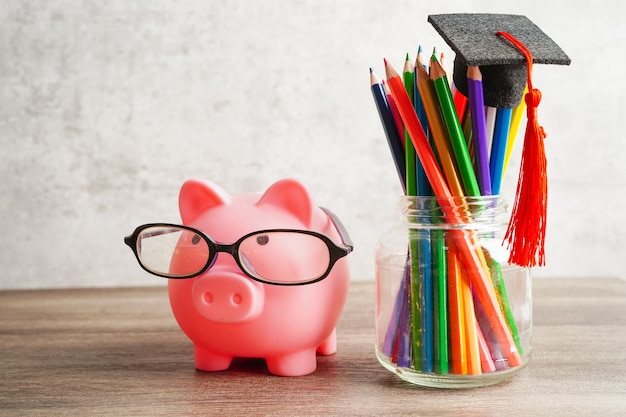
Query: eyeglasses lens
point(284, 257)
point(172, 251)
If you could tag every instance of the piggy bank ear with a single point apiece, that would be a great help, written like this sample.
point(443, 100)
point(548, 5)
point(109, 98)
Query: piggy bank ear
point(293, 197)
point(197, 196)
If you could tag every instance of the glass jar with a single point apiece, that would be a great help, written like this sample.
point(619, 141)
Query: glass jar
point(450, 311)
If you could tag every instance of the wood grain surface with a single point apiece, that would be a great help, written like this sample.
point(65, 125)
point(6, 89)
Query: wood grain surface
point(120, 352)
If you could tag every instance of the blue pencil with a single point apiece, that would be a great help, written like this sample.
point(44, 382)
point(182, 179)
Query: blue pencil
point(498, 148)
point(426, 301)
point(423, 186)
point(391, 132)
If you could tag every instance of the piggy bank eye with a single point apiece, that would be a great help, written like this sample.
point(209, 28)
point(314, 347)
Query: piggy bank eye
point(195, 239)
point(262, 239)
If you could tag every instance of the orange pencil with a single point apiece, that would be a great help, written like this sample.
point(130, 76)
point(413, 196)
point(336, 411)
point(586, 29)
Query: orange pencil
point(456, 318)
point(466, 245)
point(437, 129)
point(471, 328)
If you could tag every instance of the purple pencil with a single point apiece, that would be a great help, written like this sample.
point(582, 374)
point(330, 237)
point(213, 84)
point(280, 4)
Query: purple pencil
point(404, 330)
point(479, 129)
point(391, 336)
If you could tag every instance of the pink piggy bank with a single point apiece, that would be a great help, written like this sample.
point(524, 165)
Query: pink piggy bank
point(252, 275)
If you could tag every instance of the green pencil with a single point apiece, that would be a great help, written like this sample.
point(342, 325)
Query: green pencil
point(440, 291)
point(503, 299)
point(410, 155)
point(411, 190)
point(455, 132)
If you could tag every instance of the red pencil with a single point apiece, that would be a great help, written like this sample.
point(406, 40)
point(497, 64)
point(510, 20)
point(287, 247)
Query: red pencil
point(394, 112)
point(460, 102)
point(416, 132)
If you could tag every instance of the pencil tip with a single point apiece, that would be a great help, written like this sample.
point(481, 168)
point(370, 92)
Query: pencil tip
point(407, 56)
point(385, 61)
point(419, 49)
point(371, 70)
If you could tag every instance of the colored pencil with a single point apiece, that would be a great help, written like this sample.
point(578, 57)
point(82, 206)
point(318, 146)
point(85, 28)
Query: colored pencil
point(458, 344)
point(423, 187)
point(440, 297)
point(502, 296)
point(466, 245)
point(438, 131)
point(516, 121)
point(442, 62)
point(425, 253)
point(486, 362)
point(416, 134)
point(460, 102)
point(390, 342)
point(485, 170)
point(469, 135)
point(409, 150)
point(417, 283)
point(455, 133)
point(394, 111)
point(494, 349)
point(479, 129)
point(438, 273)
point(425, 301)
point(490, 122)
point(498, 148)
point(405, 348)
point(416, 286)
point(471, 336)
point(389, 124)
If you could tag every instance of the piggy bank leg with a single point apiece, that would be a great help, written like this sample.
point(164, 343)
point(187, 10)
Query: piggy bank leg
point(294, 364)
point(208, 361)
point(329, 346)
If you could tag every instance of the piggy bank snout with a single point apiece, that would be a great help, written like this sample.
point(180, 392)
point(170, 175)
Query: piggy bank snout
point(228, 297)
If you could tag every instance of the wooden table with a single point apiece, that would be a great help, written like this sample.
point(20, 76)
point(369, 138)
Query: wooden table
point(120, 352)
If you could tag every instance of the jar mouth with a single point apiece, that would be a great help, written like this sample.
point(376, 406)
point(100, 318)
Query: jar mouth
point(454, 212)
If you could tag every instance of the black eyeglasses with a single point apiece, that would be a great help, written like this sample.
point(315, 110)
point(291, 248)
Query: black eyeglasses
point(273, 256)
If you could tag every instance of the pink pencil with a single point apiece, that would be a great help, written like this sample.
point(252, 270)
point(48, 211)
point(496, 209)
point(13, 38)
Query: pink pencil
point(486, 362)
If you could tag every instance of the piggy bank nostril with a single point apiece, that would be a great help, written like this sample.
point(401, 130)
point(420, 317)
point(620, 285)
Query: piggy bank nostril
point(237, 298)
point(208, 297)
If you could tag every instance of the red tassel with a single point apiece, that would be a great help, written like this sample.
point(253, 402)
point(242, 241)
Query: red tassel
point(527, 227)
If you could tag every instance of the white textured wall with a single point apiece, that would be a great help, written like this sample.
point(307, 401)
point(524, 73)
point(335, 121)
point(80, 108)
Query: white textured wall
point(106, 107)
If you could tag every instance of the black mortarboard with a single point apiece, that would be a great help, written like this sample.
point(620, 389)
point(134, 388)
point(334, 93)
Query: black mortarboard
point(474, 40)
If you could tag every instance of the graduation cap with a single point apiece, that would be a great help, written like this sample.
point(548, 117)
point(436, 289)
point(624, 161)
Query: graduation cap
point(505, 47)
point(474, 39)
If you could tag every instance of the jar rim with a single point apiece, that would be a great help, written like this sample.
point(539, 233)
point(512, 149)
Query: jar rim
point(469, 211)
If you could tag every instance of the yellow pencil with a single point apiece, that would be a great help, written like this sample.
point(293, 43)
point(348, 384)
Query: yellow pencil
point(516, 121)
point(471, 328)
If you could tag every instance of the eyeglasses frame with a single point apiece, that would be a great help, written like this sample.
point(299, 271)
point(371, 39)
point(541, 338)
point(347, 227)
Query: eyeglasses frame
point(336, 252)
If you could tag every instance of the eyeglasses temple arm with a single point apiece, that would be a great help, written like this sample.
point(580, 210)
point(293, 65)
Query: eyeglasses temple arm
point(343, 233)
